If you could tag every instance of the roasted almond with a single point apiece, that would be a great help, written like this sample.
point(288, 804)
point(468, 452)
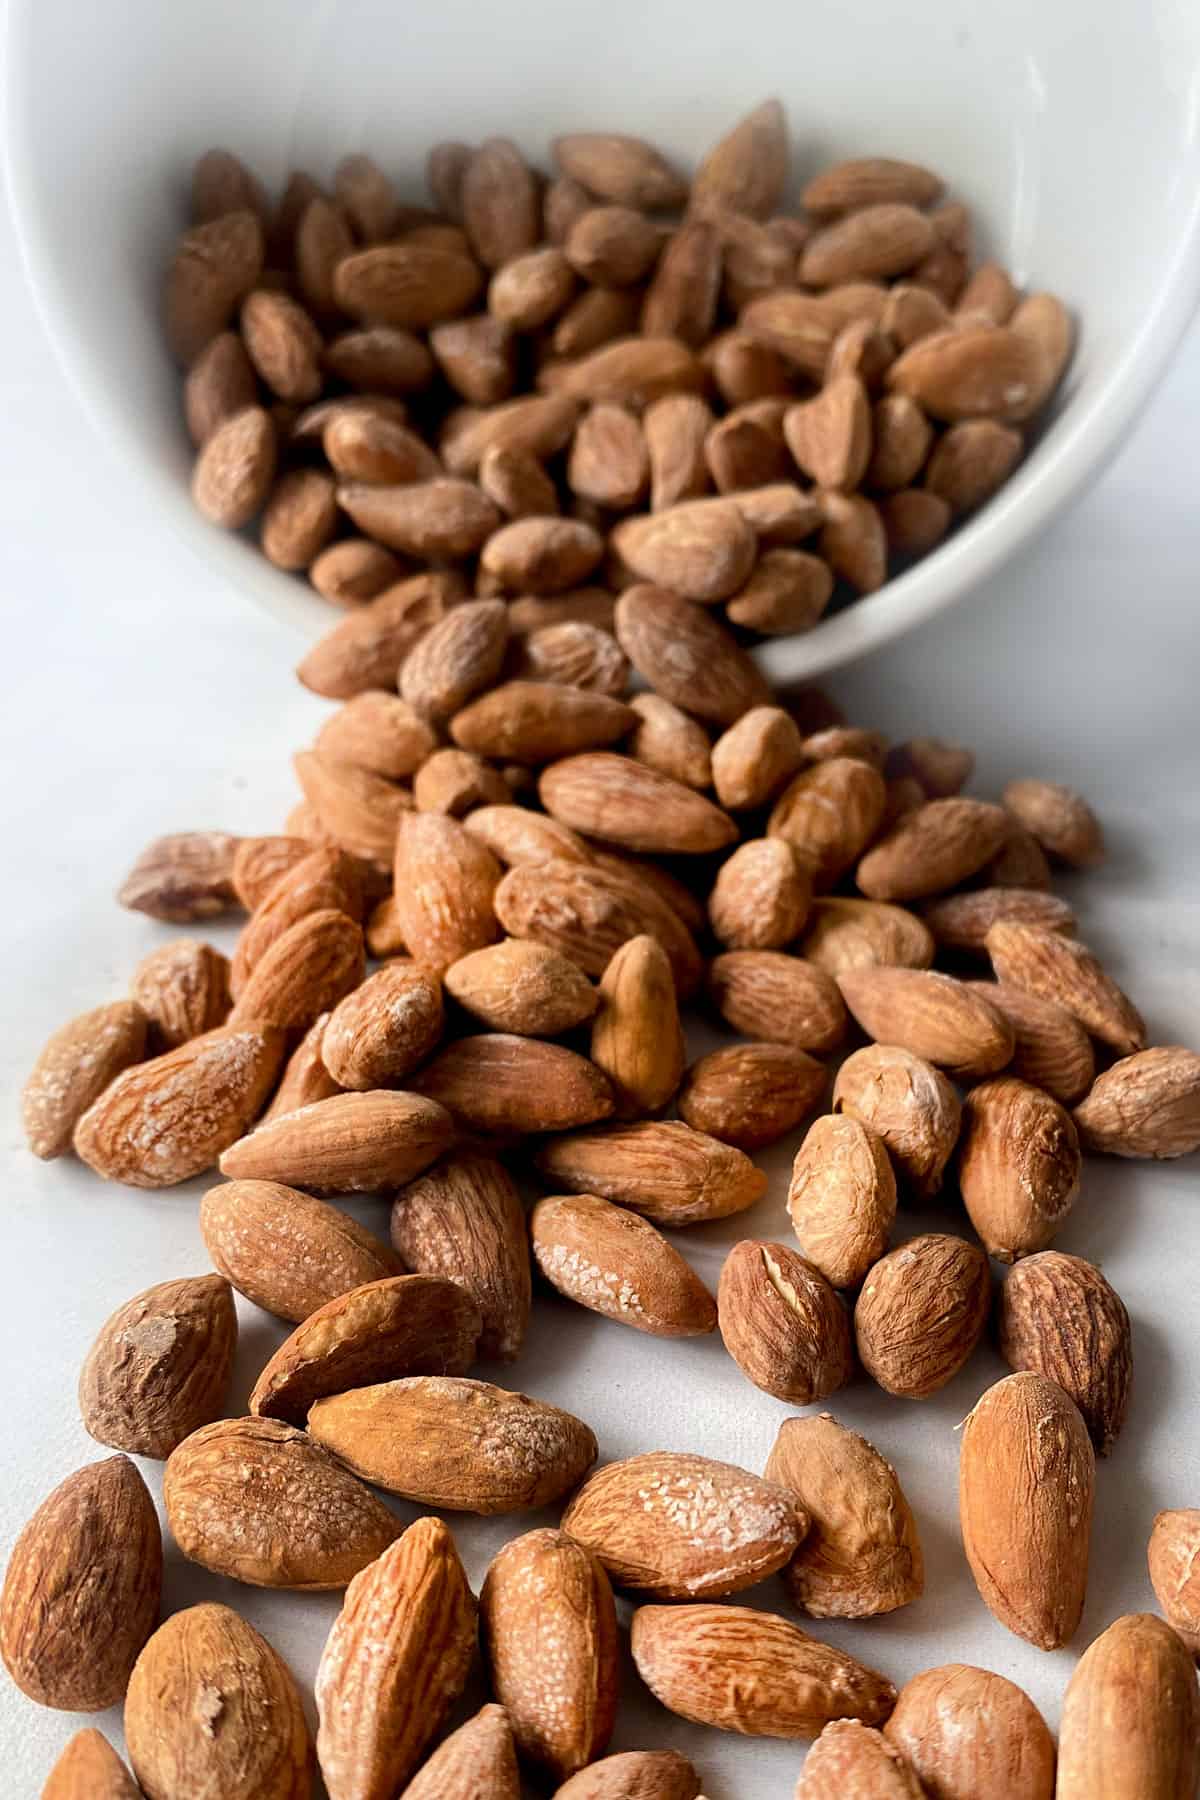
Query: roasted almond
point(634, 1775)
point(971, 371)
point(283, 343)
point(669, 740)
point(630, 371)
point(664, 1170)
point(747, 169)
point(587, 912)
point(1018, 1166)
point(522, 987)
point(637, 1039)
point(384, 1029)
point(829, 813)
point(185, 876)
point(969, 1733)
point(75, 1066)
point(517, 483)
point(700, 549)
point(962, 921)
point(782, 1323)
point(687, 656)
point(322, 880)
point(1058, 1317)
point(909, 1104)
point(501, 203)
point(1060, 819)
point(787, 591)
point(751, 1094)
point(842, 1198)
point(1052, 967)
point(90, 1769)
point(538, 721)
point(844, 934)
point(405, 285)
point(366, 649)
point(754, 758)
point(444, 887)
point(441, 519)
point(849, 1756)
point(676, 429)
point(306, 971)
point(456, 782)
point(531, 289)
point(921, 1312)
point(285, 1251)
point(463, 1220)
point(621, 800)
point(219, 383)
point(540, 424)
point(1129, 1720)
point(624, 169)
point(542, 555)
point(478, 357)
point(261, 862)
point(615, 1263)
point(1147, 1104)
point(872, 242)
point(1172, 1558)
point(936, 1017)
point(761, 896)
point(477, 1760)
point(1053, 1051)
point(1046, 323)
point(235, 468)
point(938, 846)
point(769, 994)
point(213, 267)
point(504, 1084)
point(348, 1144)
point(160, 1366)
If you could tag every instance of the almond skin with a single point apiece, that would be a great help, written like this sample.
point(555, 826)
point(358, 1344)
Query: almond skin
point(679, 1527)
point(1056, 968)
point(921, 1312)
point(624, 802)
point(324, 879)
point(933, 1015)
point(972, 1735)
point(455, 658)
point(747, 169)
point(615, 1263)
point(257, 1500)
point(348, 1144)
point(81, 1590)
point(1060, 819)
point(842, 1198)
point(751, 1672)
point(383, 1029)
point(909, 1104)
point(962, 921)
point(701, 549)
point(403, 1325)
point(285, 1251)
point(366, 649)
point(637, 1039)
point(521, 987)
point(1172, 1558)
point(1026, 1475)
point(861, 1555)
point(407, 1626)
point(212, 1709)
point(458, 1444)
point(76, 1064)
point(849, 1757)
point(537, 721)
point(1018, 1166)
point(971, 371)
point(90, 1769)
point(160, 1366)
point(463, 1220)
point(476, 1762)
point(782, 1323)
point(1053, 1051)
point(938, 846)
point(1147, 1104)
point(1059, 1317)
point(751, 1094)
point(545, 1589)
point(761, 896)
point(664, 1170)
point(768, 994)
point(754, 758)
point(1130, 1716)
point(503, 1084)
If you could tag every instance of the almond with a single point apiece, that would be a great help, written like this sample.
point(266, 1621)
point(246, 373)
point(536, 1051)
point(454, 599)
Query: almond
point(754, 758)
point(1147, 1104)
point(75, 1066)
point(1045, 322)
point(1026, 1475)
point(678, 1526)
point(455, 782)
point(588, 912)
point(1021, 863)
point(609, 462)
point(761, 896)
point(782, 1323)
point(632, 372)
point(743, 451)
point(542, 555)
point(853, 540)
point(457, 1444)
point(936, 1017)
point(1060, 819)
point(788, 591)
point(1058, 1317)
point(544, 1587)
point(652, 878)
point(972, 371)
point(407, 1626)
point(769, 994)
point(214, 266)
point(235, 469)
point(540, 424)
point(962, 921)
point(972, 1735)
point(367, 198)
point(518, 836)
point(500, 202)
point(321, 240)
point(800, 328)
point(476, 1762)
point(637, 1039)
point(830, 436)
point(634, 1775)
point(365, 447)
point(613, 246)
point(1018, 1166)
point(1053, 1051)
point(441, 519)
point(750, 1094)
point(212, 1709)
point(676, 429)
point(405, 285)
point(1130, 1715)
point(844, 934)
point(861, 1555)
point(921, 1312)
point(681, 299)
point(183, 877)
point(700, 549)
point(829, 813)
point(938, 846)
point(751, 1672)
point(847, 187)
point(617, 1264)
point(1172, 1561)
point(285, 1251)
point(621, 800)
point(914, 520)
point(383, 1030)
point(860, 349)
point(257, 1500)
point(320, 881)
point(687, 656)
point(970, 461)
point(365, 651)
point(515, 986)
point(911, 1106)
point(81, 1590)
point(627, 170)
point(669, 1173)
point(403, 1325)
point(261, 862)
point(160, 1366)
point(900, 440)
point(517, 483)
point(881, 240)
point(463, 1220)
point(305, 972)
point(747, 169)
point(219, 383)
point(283, 344)
point(668, 740)
point(478, 358)
point(384, 938)
point(530, 290)
point(842, 1198)
point(537, 721)
point(849, 1757)
point(348, 1144)
point(380, 359)
point(1052, 967)
point(743, 369)
point(90, 1769)
point(508, 1085)
point(445, 884)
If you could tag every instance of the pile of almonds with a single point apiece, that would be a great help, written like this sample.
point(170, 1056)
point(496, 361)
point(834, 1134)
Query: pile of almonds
point(607, 377)
point(548, 871)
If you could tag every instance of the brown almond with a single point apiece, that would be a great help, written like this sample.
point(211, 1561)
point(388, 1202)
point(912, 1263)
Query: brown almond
point(307, 970)
point(672, 1175)
point(941, 768)
point(761, 896)
point(769, 994)
point(538, 721)
point(870, 243)
point(846, 740)
point(843, 934)
point(367, 197)
point(629, 371)
point(700, 549)
point(921, 1312)
point(938, 846)
point(744, 452)
point(847, 187)
point(321, 240)
point(688, 656)
point(546, 1587)
point(299, 518)
point(970, 461)
point(634, 1775)
point(504, 1084)
point(637, 1038)
point(1130, 1714)
point(624, 802)
point(747, 169)
point(235, 468)
point(627, 170)
point(1053, 1051)
point(1172, 1560)
point(1060, 819)
point(90, 1769)
point(363, 447)
point(213, 267)
point(853, 540)
point(972, 1735)
point(365, 650)
point(1052, 967)
point(542, 555)
point(441, 519)
point(787, 592)
point(457, 656)
point(81, 1590)
point(1021, 863)
point(681, 299)
point(909, 1104)
point(456, 782)
point(842, 1198)
point(743, 369)
point(962, 921)
point(348, 1144)
point(381, 360)
point(478, 358)
point(653, 879)
point(587, 912)
point(540, 424)
point(861, 1555)
point(384, 1029)
point(782, 1323)
point(407, 1626)
point(522, 987)
point(183, 877)
point(798, 327)
point(285, 1251)
point(74, 1067)
point(849, 1756)
point(668, 740)
point(160, 1366)
point(500, 202)
point(830, 436)
point(283, 344)
point(678, 1526)
point(321, 880)
point(912, 312)
point(676, 430)
point(753, 758)
point(971, 371)
point(1018, 1166)
point(1059, 1317)
point(463, 1221)
point(517, 483)
point(305, 1077)
point(751, 1672)
point(616, 1264)
point(221, 184)
point(1026, 1476)
point(1147, 1104)
point(220, 382)
point(900, 439)
point(406, 285)
point(914, 520)
point(595, 318)
point(452, 1443)
point(306, 428)
point(613, 246)
point(936, 1017)
point(445, 882)
point(1044, 322)
point(750, 1094)
point(476, 1762)
point(530, 290)
point(609, 463)
point(828, 813)
point(376, 731)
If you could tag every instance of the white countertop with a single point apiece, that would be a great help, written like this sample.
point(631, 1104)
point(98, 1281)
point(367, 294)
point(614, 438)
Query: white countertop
point(142, 697)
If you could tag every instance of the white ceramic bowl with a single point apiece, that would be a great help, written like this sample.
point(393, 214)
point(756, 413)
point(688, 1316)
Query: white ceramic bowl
point(1070, 126)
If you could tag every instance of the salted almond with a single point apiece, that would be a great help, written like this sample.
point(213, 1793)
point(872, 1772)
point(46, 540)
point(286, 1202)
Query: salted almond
point(678, 1526)
point(440, 519)
point(800, 328)
point(938, 846)
point(944, 271)
point(212, 269)
point(478, 1759)
point(365, 651)
point(828, 814)
point(681, 298)
point(668, 740)
point(624, 802)
point(306, 428)
point(235, 468)
point(463, 1221)
point(750, 1094)
point(376, 731)
point(751, 1672)
point(861, 1555)
point(615, 1263)
point(452, 1443)
point(320, 880)
point(769, 994)
point(1018, 1166)
point(522, 987)
point(921, 1312)
point(348, 1144)
point(90, 1769)
point(285, 1251)
point(504, 1084)
point(445, 881)
point(542, 555)
point(74, 1067)
point(634, 1775)
point(672, 1175)
point(968, 1732)
point(847, 187)
point(1052, 967)
point(862, 350)
point(539, 1587)
point(517, 483)
point(782, 1323)
point(1060, 819)
point(747, 169)
point(1059, 1317)
point(456, 782)
point(1026, 1476)
point(362, 447)
point(637, 1039)
point(630, 371)
point(384, 1028)
point(842, 1198)
point(853, 540)
point(304, 972)
point(160, 1366)
point(971, 371)
point(407, 1626)
point(962, 921)
point(1147, 1104)
point(909, 1104)
point(380, 360)
point(700, 549)
point(1020, 862)
point(849, 1756)
point(221, 184)
point(788, 591)
point(405, 285)
point(477, 356)
point(843, 934)
point(597, 317)
point(912, 312)
point(516, 835)
point(652, 878)
point(753, 758)
point(846, 740)
point(538, 721)
point(587, 912)
point(623, 169)
point(1044, 322)
point(688, 656)
point(367, 197)
point(761, 896)
point(936, 1017)
point(185, 876)
point(1053, 1051)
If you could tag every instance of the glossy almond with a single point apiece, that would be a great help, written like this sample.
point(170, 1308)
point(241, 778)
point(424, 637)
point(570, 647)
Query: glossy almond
point(463, 1221)
point(285, 1251)
point(972, 1735)
point(921, 1312)
point(1057, 1316)
point(160, 1366)
point(751, 1094)
point(348, 1144)
point(782, 1323)
point(909, 1104)
point(608, 1259)
point(663, 1169)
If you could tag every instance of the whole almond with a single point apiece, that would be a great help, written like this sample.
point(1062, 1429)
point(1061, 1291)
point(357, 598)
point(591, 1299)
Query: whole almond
point(909, 1104)
point(365, 651)
point(521, 987)
point(681, 299)
point(829, 813)
point(935, 1016)
point(609, 463)
point(587, 912)
point(503, 1084)
point(542, 555)
point(627, 170)
point(676, 429)
point(220, 383)
point(1046, 323)
point(615, 1263)
point(212, 1709)
point(614, 246)
point(165, 1120)
point(160, 1366)
point(540, 424)
point(962, 921)
point(747, 169)
point(405, 285)
point(463, 1221)
point(881, 240)
point(348, 1144)
point(1147, 1104)
point(842, 1198)
point(769, 994)
point(846, 187)
point(299, 518)
point(363, 446)
point(235, 468)
point(75, 1066)
point(441, 519)
point(476, 1762)
point(750, 1094)
point(538, 721)
point(90, 1769)
point(285, 1251)
point(185, 876)
point(544, 1587)
point(214, 266)
point(848, 1758)
point(687, 656)
point(744, 370)
point(700, 549)
point(921, 1312)
point(283, 344)
point(445, 883)
point(500, 202)
point(800, 328)
point(517, 483)
point(782, 1323)
point(322, 239)
point(1060, 819)
point(1053, 1051)
point(761, 896)
point(381, 360)
point(403, 1325)
point(407, 1626)
point(971, 371)
point(456, 1444)
point(938, 846)
point(861, 1555)
point(1018, 1166)
point(751, 1672)
point(654, 878)
point(1059, 1317)
point(1172, 1560)
point(1052, 967)
point(322, 880)
point(478, 358)
point(788, 591)
point(456, 782)
point(664, 1170)
point(367, 198)
point(634, 1775)
point(853, 540)
point(624, 802)
point(629, 371)
point(257, 1500)
point(384, 938)
point(383, 1029)
point(530, 290)
point(677, 1526)
point(1021, 863)
point(1026, 1475)
point(305, 972)
point(668, 740)
point(81, 1590)
point(1130, 1716)
point(914, 520)
point(844, 934)
point(912, 312)
point(753, 759)
point(637, 1039)
point(743, 451)
point(900, 440)
point(971, 460)
point(377, 731)
point(972, 1735)
point(830, 436)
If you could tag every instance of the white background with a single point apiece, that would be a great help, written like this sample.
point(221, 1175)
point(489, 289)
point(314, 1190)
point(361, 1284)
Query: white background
point(141, 696)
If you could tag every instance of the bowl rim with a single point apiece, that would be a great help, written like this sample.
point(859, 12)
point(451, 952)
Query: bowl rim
point(1082, 440)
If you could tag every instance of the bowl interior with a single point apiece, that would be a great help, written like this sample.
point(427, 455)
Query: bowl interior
point(1070, 129)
